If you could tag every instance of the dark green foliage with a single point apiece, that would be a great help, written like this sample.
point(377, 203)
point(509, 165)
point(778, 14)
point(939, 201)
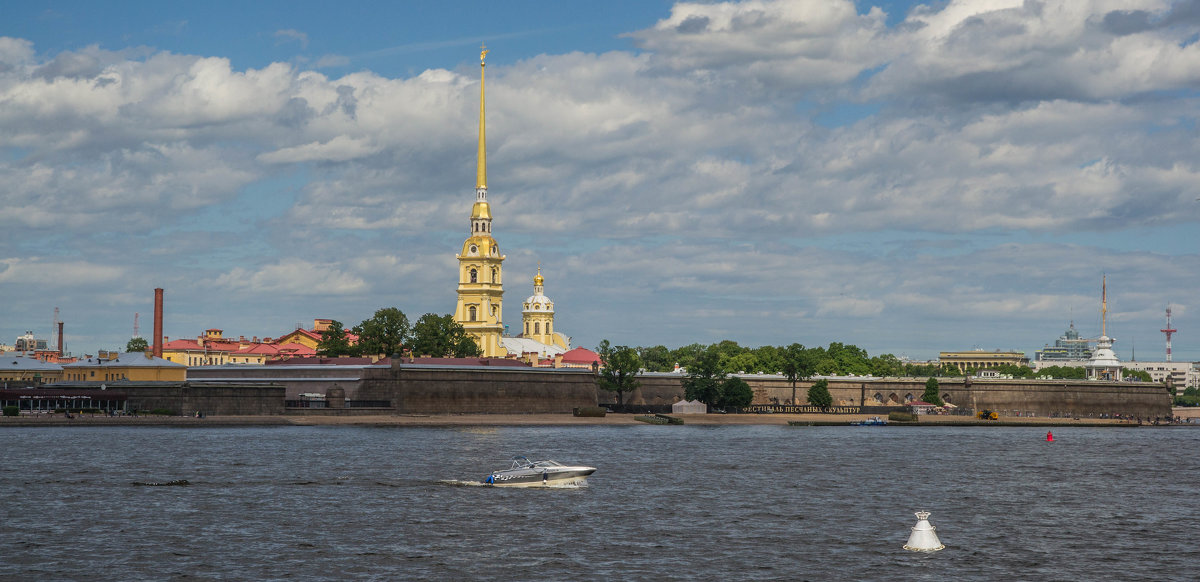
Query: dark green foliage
point(12, 410)
point(818, 394)
point(440, 336)
point(796, 364)
point(933, 393)
point(334, 342)
point(1064, 372)
point(137, 344)
point(619, 369)
point(705, 378)
point(656, 359)
point(735, 393)
point(384, 334)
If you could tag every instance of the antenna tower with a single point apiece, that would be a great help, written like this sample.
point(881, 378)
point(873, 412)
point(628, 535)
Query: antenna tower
point(1168, 330)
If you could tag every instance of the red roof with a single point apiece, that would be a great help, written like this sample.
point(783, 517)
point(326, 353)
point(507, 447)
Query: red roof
point(320, 361)
point(581, 356)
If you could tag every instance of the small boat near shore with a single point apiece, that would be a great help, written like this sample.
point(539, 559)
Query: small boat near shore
point(873, 421)
point(547, 473)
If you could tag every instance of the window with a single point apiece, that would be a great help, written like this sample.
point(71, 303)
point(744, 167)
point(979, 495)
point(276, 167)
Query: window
point(474, 277)
point(472, 314)
point(537, 328)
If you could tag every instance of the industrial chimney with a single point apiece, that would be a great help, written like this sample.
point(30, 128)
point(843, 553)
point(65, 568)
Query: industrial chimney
point(60, 340)
point(158, 322)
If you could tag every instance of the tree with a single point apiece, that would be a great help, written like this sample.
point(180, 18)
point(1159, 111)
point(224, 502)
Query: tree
point(886, 365)
point(818, 394)
point(334, 342)
point(735, 392)
point(137, 344)
point(932, 393)
point(621, 365)
point(441, 336)
point(385, 333)
point(797, 365)
point(705, 379)
point(687, 355)
point(656, 359)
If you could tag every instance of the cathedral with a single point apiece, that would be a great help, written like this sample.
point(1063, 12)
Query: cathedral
point(480, 308)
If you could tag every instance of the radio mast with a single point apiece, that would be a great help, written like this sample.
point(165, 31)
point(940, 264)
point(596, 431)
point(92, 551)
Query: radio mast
point(1168, 330)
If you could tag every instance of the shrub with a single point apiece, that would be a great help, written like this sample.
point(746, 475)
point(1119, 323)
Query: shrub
point(11, 410)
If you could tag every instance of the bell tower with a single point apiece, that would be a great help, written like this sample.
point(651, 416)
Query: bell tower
point(480, 290)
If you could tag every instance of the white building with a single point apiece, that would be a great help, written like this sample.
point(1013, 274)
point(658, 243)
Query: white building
point(1182, 374)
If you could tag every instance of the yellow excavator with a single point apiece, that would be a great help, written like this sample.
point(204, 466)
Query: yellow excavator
point(987, 415)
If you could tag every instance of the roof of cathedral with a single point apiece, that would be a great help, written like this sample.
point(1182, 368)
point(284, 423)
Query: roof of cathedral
point(521, 345)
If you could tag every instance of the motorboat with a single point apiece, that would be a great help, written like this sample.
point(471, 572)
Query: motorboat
point(873, 421)
point(527, 473)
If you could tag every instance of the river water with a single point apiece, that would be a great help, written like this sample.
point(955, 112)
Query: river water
point(666, 503)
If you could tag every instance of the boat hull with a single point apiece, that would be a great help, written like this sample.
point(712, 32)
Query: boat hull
point(535, 478)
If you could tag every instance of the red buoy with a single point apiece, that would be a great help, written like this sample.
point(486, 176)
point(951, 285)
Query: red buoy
point(1049, 437)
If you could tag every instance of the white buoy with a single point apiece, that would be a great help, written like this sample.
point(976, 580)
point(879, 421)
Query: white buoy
point(924, 536)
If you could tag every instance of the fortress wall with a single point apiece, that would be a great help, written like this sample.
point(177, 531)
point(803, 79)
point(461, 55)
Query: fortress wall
point(422, 390)
point(652, 391)
point(1040, 397)
point(216, 399)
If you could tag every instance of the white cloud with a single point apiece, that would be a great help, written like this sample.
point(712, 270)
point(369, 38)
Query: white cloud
point(699, 184)
point(292, 277)
point(47, 273)
point(286, 35)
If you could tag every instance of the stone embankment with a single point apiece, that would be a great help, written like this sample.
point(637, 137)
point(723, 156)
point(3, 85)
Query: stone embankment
point(533, 420)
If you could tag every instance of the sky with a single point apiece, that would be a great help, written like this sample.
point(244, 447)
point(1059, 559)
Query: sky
point(907, 177)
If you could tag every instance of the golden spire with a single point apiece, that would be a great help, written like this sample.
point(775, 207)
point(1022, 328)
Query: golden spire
point(481, 172)
point(538, 279)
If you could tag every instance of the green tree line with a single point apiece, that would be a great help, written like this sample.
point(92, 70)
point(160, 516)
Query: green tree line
point(837, 359)
point(388, 332)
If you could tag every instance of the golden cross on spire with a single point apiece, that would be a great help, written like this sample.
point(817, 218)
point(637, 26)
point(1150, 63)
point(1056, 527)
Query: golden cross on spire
point(482, 52)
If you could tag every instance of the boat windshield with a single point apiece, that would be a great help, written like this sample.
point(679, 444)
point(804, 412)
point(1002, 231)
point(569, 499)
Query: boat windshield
point(525, 463)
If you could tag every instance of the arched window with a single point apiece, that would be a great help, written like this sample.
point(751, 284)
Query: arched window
point(537, 328)
point(547, 327)
point(526, 328)
point(495, 275)
point(474, 278)
point(472, 312)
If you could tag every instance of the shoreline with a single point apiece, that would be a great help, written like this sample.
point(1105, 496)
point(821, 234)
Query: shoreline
point(564, 419)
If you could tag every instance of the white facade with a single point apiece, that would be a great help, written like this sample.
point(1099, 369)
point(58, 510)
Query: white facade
point(1182, 374)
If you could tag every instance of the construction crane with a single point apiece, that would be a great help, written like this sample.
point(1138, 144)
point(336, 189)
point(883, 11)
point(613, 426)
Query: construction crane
point(1168, 330)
